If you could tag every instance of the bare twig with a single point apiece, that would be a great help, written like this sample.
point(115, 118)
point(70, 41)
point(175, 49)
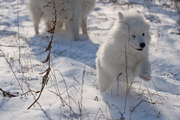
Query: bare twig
point(122, 117)
point(7, 94)
point(99, 110)
point(12, 70)
point(80, 106)
point(29, 92)
point(65, 103)
point(127, 83)
point(152, 103)
point(118, 82)
point(126, 65)
point(47, 71)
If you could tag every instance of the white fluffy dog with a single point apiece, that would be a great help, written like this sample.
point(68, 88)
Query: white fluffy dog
point(125, 52)
point(88, 5)
point(75, 12)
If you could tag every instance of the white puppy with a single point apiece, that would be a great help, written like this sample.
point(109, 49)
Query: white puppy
point(72, 10)
point(125, 51)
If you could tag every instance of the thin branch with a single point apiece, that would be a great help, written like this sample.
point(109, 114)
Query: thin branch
point(12, 69)
point(47, 71)
point(80, 106)
point(7, 94)
point(44, 82)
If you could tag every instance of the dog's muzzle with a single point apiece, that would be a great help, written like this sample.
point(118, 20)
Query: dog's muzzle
point(142, 46)
point(139, 49)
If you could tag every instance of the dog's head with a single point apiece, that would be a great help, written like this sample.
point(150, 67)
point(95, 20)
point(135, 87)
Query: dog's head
point(136, 28)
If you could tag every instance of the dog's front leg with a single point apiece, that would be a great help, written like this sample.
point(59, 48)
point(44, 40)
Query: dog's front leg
point(143, 70)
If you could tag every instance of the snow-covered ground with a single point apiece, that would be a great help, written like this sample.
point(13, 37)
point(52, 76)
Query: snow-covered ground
point(72, 92)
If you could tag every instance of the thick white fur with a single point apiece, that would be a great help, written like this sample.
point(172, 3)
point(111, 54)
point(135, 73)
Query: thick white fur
point(73, 15)
point(88, 5)
point(110, 61)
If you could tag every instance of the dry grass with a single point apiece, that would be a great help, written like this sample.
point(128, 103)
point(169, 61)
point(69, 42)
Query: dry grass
point(69, 99)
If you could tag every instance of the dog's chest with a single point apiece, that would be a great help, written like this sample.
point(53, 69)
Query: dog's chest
point(129, 60)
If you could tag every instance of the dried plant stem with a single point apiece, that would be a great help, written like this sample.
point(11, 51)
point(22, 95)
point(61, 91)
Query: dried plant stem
point(118, 82)
point(43, 111)
point(102, 115)
point(127, 83)
point(80, 106)
point(7, 93)
point(18, 42)
point(37, 97)
point(12, 70)
point(48, 59)
point(65, 103)
point(119, 111)
point(126, 65)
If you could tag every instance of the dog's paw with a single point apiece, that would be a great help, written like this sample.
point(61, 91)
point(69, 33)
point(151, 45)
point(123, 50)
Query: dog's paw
point(145, 76)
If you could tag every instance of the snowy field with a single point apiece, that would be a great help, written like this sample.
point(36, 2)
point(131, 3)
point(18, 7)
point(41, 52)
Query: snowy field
point(72, 91)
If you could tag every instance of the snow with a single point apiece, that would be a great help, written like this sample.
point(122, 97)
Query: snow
point(73, 74)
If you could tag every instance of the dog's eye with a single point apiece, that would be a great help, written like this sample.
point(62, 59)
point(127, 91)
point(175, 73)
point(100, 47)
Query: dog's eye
point(143, 34)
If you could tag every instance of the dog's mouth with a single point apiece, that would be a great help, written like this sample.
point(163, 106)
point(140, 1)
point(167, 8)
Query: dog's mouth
point(138, 49)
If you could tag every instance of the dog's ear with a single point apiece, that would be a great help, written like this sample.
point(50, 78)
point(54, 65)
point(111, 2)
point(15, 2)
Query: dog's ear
point(125, 28)
point(120, 16)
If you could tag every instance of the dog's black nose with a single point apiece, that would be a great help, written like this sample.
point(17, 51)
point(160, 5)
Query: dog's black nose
point(142, 45)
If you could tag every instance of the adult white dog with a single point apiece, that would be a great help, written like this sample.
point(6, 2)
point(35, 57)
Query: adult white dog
point(88, 5)
point(71, 12)
point(125, 52)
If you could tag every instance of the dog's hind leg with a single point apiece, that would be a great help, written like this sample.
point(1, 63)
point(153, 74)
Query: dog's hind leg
point(37, 17)
point(73, 27)
point(47, 22)
point(36, 13)
point(104, 79)
point(84, 24)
